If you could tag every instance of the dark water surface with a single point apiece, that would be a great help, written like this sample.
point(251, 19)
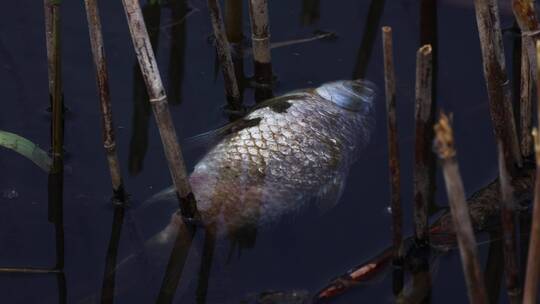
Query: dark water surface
point(301, 253)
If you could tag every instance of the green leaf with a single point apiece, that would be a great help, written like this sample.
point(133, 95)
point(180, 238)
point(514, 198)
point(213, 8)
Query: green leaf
point(27, 149)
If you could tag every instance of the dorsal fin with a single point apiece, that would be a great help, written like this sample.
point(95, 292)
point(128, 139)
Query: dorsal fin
point(210, 138)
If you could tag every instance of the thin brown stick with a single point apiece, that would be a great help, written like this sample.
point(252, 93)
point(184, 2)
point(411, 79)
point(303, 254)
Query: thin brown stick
point(98, 52)
point(260, 37)
point(444, 145)
point(500, 101)
point(525, 106)
point(393, 149)
point(224, 54)
point(508, 205)
point(533, 260)
point(423, 190)
point(158, 100)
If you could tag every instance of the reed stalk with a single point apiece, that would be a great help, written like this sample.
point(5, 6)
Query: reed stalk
point(533, 260)
point(525, 105)
point(158, 100)
point(260, 40)
point(224, 55)
point(508, 205)
point(444, 146)
point(499, 94)
point(141, 107)
point(56, 175)
point(423, 188)
point(393, 152)
point(526, 18)
point(109, 143)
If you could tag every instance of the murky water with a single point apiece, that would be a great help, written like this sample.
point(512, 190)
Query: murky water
point(300, 253)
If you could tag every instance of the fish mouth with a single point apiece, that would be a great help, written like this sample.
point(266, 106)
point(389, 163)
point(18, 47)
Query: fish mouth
point(353, 95)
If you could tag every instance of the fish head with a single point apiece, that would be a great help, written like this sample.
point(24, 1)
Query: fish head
point(353, 95)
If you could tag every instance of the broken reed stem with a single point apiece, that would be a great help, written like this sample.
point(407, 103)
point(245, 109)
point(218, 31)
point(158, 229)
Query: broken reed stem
point(423, 190)
point(98, 53)
point(260, 39)
point(508, 205)
point(224, 54)
point(499, 94)
point(444, 146)
point(160, 107)
point(533, 260)
point(393, 149)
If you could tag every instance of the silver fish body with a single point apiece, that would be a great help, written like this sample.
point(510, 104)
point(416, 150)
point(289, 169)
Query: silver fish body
point(288, 151)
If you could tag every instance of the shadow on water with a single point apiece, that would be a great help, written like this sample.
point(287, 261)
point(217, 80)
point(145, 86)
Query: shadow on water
point(178, 31)
point(311, 12)
point(141, 106)
point(108, 290)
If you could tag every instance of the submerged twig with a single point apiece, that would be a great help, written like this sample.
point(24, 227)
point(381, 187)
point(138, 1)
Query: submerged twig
point(489, 29)
point(158, 100)
point(423, 189)
point(444, 144)
point(224, 53)
point(533, 259)
point(109, 143)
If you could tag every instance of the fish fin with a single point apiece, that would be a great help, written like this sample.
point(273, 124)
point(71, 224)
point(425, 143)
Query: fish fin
point(329, 195)
point(210, 138)
point(280, 104)
point(166, 195)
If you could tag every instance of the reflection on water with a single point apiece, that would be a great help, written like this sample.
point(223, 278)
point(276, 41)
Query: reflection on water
point(141, 105)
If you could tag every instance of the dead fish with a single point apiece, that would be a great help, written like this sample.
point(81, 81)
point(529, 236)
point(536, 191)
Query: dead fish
point(285, 152)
